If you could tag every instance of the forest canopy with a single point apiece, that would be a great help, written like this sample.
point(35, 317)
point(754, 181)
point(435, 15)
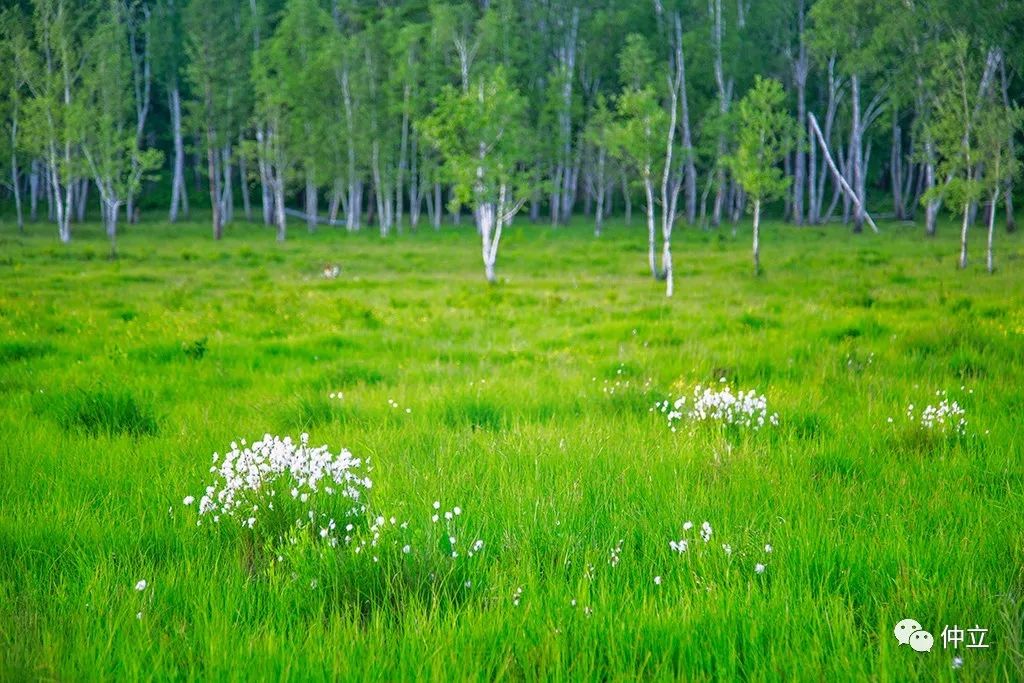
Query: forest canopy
point(349, 112)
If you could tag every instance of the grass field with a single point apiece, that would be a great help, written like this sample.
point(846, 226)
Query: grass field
point(528, 405)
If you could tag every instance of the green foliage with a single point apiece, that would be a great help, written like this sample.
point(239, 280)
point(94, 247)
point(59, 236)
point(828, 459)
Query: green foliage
point(766, 134)
point(481, 135)
point(972, 129)
point(637, 135)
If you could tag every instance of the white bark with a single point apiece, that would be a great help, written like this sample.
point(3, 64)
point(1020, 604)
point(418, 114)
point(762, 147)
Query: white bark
point(989, 261)
point(757, 236)
point(354, 209)
point(15, 179)
point(801, 67)
point(179, 194)
point(963, 235)
point(651, 241)
point(311, 204)
point(724, 99)
point(835, 172)
point(142, 81)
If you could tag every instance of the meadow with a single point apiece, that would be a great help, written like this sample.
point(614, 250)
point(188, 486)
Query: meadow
point(530, 406)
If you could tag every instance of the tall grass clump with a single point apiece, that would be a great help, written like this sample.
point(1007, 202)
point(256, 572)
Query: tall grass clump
point(105, 413)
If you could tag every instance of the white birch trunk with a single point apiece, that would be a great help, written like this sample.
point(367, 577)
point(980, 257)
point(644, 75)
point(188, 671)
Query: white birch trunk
point(990, 264)
point(963, 235)
point(757, 236)
point(312, 207)
point(179, 194)
point(651, 241)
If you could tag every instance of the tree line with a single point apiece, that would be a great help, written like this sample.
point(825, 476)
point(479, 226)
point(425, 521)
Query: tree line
point(391, 114)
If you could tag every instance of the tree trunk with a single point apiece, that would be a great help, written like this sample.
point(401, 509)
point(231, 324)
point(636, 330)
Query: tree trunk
point(896, 168)
point(82, 199)
point(963, 235)
point(415, 200)
point(800, 70)
point(438, 206)
point(689, 167)
point(311, 205)
point(211, 165)
point(280, 219)
point(354, 208)
point(227, 191)
point(600, 189)
point(724, 97)
point(931, 209)
point(14, 177)
point(989, 260)
point(757, 236)
point(627, 200)
point(403, 151)
point(335, 203)
point(649, 193)
point(142, 81)
point(179, 195)
point(110, 218)
point(837, 176)
point(856, 150)
point(243, 186)
point(33, 191)
point(1011, 146)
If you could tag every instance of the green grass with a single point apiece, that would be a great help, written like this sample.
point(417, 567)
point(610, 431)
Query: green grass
point(529, 408)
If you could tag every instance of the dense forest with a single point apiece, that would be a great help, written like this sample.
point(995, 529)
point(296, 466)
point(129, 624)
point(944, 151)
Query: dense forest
point(356, 113)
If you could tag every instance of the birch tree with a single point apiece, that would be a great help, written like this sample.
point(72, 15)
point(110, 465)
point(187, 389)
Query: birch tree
point(12, 30)
point(50, 66)
point(955, 131)
point(766, 135)
point(480, 134)
point(997, 127)
point(166, 38)
point(217, 73)
point(102, 116)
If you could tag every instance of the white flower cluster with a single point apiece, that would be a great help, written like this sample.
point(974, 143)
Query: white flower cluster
point(450, 529)
point(248, 478)
point(616, 552)
point(746, 409)
point(682, 546)
point(394, 405)
point(621, 383)
point(948, 417)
